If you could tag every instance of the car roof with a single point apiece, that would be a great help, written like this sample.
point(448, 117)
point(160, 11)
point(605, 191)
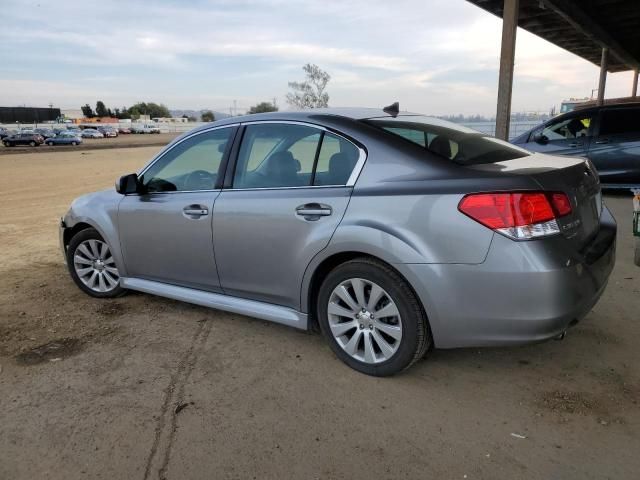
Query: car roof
point(595, 108)
point(309, 115)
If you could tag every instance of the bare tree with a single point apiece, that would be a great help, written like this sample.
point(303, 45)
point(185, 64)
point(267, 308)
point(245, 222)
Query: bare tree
point(263, 107)
point(310, 93)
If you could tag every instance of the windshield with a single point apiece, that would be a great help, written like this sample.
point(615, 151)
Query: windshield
point(459, 144)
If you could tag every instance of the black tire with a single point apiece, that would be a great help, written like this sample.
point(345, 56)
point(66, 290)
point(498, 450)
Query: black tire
point(32, 143)
point(7, 144)
point(50, 144)
point(76, 240)
point(74, 143)
point(416, 336)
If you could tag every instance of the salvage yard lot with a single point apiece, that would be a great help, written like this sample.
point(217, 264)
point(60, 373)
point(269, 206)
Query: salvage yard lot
point(143, 387)
point(121, 141)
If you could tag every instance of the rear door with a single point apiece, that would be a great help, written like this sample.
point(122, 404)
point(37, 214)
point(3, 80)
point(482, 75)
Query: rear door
point(615, 150)
point(286, 195)
point(569, 135)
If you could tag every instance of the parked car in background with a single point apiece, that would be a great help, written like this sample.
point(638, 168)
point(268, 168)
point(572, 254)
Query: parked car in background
point(108, 131)
point(31, 139)
point(4, 133)
point(124, 130)
point(45, 132)
point(74, 130)
point(392, 232)
point(64, 138)
point(145, 129)
point(608, 135)
point(91, 133)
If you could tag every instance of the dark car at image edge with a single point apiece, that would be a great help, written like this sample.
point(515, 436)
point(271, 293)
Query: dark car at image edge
point(608, 135)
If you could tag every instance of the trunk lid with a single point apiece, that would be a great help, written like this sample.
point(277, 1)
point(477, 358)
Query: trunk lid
point(574, 176)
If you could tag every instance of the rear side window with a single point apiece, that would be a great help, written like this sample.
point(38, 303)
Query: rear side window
point(336, 161)
point(284, 155)
point(624, 120)
point(276, 155)
point(456, 143)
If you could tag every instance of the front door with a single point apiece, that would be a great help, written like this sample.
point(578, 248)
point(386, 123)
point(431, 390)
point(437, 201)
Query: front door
point(291, 187)
point(166, 232)
point(567, 136)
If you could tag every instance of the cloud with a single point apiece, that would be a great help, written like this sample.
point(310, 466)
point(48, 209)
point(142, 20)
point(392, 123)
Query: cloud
point(439, 56)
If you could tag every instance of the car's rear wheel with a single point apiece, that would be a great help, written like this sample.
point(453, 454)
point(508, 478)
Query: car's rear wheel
point(372, 318)
point(92, 266)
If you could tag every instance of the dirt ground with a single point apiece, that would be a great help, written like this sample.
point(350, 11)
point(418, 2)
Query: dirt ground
point(145, 388)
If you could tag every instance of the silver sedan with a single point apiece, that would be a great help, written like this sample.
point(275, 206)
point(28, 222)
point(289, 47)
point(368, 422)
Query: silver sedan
point(390, 232)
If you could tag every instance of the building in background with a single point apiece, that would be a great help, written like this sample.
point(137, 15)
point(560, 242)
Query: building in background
point(72, 114)
point(28, 115)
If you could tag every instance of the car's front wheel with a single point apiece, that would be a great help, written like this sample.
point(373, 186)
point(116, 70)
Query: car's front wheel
point(92, 266)
point(372, 318)
point(32, 143)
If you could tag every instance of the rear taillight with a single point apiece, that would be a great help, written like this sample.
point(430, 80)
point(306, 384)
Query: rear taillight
point(518, 215)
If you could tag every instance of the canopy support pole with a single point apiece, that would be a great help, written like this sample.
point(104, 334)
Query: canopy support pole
point(507, 57)
point(604, 64)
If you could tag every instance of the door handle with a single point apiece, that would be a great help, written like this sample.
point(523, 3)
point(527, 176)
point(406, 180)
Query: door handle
point(313, 211)
point(575, 144)
point(602, 141)
point(195, 211)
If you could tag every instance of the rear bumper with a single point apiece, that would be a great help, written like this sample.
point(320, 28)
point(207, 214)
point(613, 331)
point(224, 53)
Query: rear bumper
point(524, 291)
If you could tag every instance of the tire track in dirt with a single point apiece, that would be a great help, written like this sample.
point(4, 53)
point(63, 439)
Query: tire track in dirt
point(159, 456)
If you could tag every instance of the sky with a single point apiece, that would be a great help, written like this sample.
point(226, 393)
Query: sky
point(436, 57)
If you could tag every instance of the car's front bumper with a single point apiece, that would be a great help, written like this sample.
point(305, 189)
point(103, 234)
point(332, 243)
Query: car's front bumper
point(523, 292)
point(61, 229)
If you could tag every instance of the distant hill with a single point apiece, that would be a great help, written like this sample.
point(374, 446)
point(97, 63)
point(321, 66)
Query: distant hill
point(197, 113)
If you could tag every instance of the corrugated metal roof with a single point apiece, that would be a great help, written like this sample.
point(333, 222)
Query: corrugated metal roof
point(583, 27)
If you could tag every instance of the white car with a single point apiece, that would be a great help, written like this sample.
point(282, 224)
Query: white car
point(145, 129)
point(91, 133)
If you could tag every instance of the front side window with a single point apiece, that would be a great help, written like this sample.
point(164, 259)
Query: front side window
point(459, 144)
point(568, 129)
point(193, 164)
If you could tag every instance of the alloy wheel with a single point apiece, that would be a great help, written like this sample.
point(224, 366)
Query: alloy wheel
point(364, 320)
point(95, 266)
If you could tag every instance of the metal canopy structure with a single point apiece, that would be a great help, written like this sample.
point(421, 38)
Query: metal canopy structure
point(603, 32)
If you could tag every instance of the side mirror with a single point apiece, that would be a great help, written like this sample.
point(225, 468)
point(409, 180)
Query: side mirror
point(128, 184)
point(541, 139)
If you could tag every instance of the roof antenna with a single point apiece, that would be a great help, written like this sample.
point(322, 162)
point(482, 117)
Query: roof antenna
point(392, 109)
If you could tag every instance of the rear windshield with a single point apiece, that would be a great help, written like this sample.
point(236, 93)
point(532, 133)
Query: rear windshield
point(454, 142)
